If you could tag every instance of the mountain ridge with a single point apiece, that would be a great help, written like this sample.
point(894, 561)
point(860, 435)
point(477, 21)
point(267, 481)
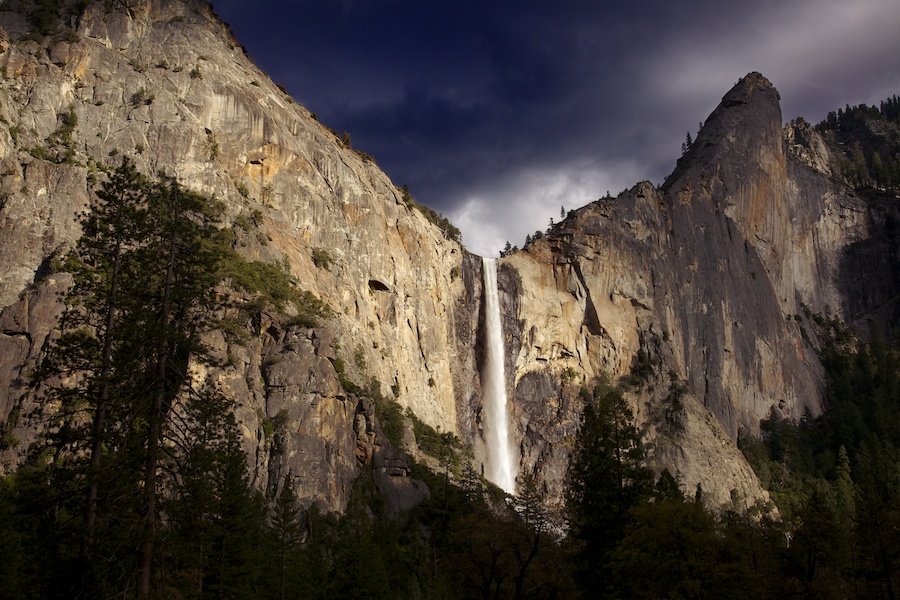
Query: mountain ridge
point(694, 292)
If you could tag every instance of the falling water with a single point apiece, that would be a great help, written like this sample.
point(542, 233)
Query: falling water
point(501, 464)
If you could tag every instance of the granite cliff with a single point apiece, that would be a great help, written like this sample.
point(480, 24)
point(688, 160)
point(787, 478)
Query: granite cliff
point(166, 83)
point(697, 292)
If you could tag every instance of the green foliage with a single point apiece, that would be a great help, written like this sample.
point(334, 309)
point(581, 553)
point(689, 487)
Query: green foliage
point(142, 96)
point(68, 123)
point(272, 284)
point(322, 258)
point(674, 549)
point(341, 370)
point(686, 144)
point(242, 189)
point(606, 478)
point(834, 477)
point(44, 19)
point(450, 231)
point(359, 357)
point(508, 249)
point(309, 310)
point(7, 438)
point(388, 413)
point(446, 447)
point(126, 423)
point(364, 155)
point(60, 147)
point(217, 516)
point(568, 375)
point(866, 140)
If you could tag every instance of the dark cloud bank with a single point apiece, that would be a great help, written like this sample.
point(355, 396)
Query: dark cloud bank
point(499, 113)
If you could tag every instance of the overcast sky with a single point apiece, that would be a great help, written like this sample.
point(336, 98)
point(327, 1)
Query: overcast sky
point(498, 113)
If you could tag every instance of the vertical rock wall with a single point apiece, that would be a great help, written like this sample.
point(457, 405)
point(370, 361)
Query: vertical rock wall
point(692, 292)
point(694, 284)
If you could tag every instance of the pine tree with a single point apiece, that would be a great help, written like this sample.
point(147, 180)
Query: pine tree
point(287, 532)
point(182, 272)
point(146, 272)
point(606, 478)
point(110, 229)
point(529, 537)
point(686, 145)
point(882, 178)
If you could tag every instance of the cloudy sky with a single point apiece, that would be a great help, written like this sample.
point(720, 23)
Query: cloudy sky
point(498, 113)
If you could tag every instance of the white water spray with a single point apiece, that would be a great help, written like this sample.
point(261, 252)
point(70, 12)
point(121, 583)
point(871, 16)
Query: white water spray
point(501, 465)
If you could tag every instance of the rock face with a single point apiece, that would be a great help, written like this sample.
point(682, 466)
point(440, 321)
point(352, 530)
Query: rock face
point(168, 85)
point(692, 289)
point(695, 290)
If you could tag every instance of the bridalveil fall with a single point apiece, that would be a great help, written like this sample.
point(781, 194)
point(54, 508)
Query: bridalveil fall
point(501, 465)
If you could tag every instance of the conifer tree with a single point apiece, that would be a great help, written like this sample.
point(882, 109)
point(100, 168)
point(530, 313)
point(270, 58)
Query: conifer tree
point(286, 531)
point(606, 478)
point(686, 145)
point(183, 263)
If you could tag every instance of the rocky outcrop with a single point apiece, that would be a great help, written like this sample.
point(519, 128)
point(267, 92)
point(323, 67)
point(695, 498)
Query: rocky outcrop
point(693, 290)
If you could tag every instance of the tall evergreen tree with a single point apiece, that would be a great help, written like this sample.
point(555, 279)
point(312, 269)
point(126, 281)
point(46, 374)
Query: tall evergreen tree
point(606, 479)
point(286, 532)
point(110, 230)
point(146, 274)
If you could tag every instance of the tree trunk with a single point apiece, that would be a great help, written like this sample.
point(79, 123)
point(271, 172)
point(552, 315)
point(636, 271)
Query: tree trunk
point(156, 416)
point(90, 509)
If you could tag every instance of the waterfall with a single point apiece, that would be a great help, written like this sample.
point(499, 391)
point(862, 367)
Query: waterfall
point(501, 465)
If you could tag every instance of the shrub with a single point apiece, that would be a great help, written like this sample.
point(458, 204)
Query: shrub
point(450, 231)
point(272, 283)
point(141, 97)
point(321, 258)
point(445, 447)
point(359, 357)
point(388, 414)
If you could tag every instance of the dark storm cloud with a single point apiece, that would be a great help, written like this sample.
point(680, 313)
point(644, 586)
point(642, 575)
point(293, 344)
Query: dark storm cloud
point(498, 113)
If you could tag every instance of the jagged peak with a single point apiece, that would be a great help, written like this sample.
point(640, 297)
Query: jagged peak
point(752, 101)
point(747, 89)
point(747, 119)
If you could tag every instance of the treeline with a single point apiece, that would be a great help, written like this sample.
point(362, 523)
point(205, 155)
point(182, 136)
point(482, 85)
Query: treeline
point(850, 116)
point(139, 482)
point(868, 139)
point(836, 477)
